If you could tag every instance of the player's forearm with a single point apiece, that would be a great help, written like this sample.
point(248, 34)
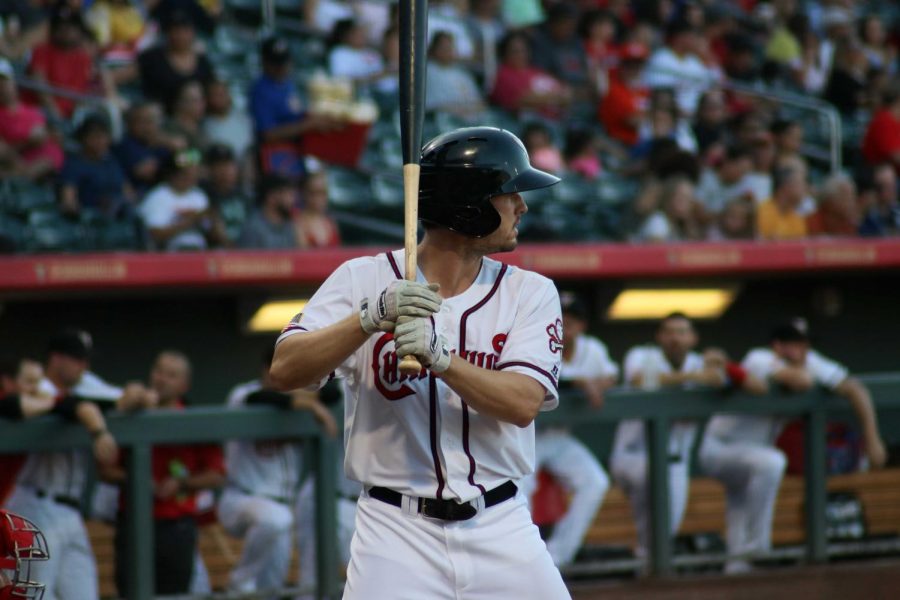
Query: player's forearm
point(90, 417)
point(306, 358)
point(796, 379)
point(510, 397)
point(205, 480)
point(861, 402)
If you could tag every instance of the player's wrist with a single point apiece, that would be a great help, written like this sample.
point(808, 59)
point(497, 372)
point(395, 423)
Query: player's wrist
point(366, 318)
point(442, 357)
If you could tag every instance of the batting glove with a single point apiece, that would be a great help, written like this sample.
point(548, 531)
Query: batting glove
point(399, 299)
point(418, 338)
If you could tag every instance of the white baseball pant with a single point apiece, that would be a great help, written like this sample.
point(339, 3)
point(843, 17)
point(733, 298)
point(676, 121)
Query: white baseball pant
point(265, 526)
point(70, 573)
point(629, 469)
point(397, 554)
point(751, 474)
point(579, 472)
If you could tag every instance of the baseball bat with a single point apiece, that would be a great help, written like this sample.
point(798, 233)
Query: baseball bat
point(413, 47)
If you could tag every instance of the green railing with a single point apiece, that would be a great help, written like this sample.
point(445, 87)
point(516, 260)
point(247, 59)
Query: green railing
point(138, 433)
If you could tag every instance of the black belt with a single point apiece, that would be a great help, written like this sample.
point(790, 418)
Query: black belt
point(447, 510)
point(66, 500)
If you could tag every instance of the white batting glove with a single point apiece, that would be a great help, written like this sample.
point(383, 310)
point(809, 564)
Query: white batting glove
point(418, 338)
point(399, 299)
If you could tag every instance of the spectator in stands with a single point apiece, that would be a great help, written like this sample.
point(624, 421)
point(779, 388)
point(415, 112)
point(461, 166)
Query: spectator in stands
point(144, 146)
point(879, 202)
point(880, 53)
point(388, 84)
point(726, 182)
point(186, 115)
point(24, 27)
point(451, 88)
point(271, 225)
point(542, 151)
point(881, 143)
point(798, 164)
point(202, 14)
point(521, 87)
point(179, 473)
point(449, 16)
point(597, 30)
point(176, 212)
point(166, 67)
point(314, 227)
point(581, 154)
point(625, 104)
point(350, 57)
point(671, 363)
point(263, 479)
point(788, 137)
point(556, 48)
point(677, 219)
point(838, 211)
point(92, 178)
point(677, 66)
point(486, 29)
point(26, 147)
point(225, 123)
point(847, 85)
point(66, 62)
point(227, 201)
point(710, 126)
point(663, 123)
point(739, 450)
point(778, 218)
point(119, 27)
point(734, 222)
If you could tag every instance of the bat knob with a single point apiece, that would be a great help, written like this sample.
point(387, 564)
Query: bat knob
point(409, 365)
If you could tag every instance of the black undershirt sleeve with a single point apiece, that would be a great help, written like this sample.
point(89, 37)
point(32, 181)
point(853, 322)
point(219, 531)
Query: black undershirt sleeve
point(11, 407)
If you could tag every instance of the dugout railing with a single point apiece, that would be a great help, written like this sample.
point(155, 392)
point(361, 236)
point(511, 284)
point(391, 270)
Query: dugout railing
point(137, 433)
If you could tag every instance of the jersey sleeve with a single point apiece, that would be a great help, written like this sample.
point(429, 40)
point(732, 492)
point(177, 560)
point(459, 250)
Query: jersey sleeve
point(826, 372)
point(634, 363)
point(534, 344)
point(600, 360)
point(760, 363)
point(331, 303)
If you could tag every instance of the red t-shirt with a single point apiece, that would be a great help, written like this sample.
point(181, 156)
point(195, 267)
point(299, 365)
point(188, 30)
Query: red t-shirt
point(69, 68)
point(512, 84)
point(621, 104)
point(17, 122)
point(882, 139)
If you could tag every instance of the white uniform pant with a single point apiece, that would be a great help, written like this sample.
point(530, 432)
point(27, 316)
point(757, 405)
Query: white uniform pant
point(265, 526)
point(306, 531)
point(579, 472)
point(397, 554)
point(751, 474)
point(629, 469)
point(71, 573)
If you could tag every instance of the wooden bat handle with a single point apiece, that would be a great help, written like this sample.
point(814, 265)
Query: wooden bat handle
point(409, 365)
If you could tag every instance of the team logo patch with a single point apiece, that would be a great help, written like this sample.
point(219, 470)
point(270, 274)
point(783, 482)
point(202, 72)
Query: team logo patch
point(554, 331)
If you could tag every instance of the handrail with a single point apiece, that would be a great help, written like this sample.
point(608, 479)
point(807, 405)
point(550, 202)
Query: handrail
point(658, 409)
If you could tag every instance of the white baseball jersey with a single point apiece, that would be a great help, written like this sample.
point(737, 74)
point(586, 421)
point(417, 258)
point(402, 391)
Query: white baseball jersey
point(589, 360)
point(763, 363)
point(414, 434)
point(265, 467)
point(64, 473)
point(650, 362)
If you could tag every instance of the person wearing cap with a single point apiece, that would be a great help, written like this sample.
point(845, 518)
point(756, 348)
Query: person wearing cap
point(26, 147)
point(92, 178)
point(739, 450)
point(166, 67)
point(586, 366)
point(176, 212)
point(227, 201)
point(623, 107)
point(50, 485)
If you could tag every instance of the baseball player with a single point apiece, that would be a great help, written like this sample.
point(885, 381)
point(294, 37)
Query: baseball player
point(586, 365)
point(739, 450)
point(21, 543)
point(437, 451)
point(50, 485)
point(670, 363)
point(263, 478)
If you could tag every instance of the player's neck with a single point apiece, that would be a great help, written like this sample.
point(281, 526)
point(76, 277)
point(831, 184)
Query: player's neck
point(447, 262)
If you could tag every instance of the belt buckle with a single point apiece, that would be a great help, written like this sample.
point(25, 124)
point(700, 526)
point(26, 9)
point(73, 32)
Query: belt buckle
point(447, 510)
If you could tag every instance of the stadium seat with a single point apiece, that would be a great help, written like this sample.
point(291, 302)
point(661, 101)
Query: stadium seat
point(20, 198)
point(573, 191)
point(49, 231)
point(347, 189)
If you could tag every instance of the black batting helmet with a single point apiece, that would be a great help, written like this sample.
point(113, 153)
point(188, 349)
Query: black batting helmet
point(462, 170)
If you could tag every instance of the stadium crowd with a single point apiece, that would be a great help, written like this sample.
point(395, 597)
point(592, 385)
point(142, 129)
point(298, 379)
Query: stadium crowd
point(255, 491)
point(128, 124)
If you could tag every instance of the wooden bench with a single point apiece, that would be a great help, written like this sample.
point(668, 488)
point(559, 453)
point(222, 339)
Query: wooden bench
point(879, 492)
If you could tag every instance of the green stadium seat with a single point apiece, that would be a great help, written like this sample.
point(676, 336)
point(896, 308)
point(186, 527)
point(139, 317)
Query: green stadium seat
point(347, 189)
point(21, 198)
point(49, 231)
point(387, 192)
point(573, 191)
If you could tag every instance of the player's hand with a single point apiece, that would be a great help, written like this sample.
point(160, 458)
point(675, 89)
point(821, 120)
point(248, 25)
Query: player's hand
point(417, 337)
point(399, 299)
point(325, 419)
point(167, 488)
point(132, 397)
point(106, 449)
point(876, 452)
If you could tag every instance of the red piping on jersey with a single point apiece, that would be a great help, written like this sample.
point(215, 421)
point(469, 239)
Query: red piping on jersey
point(390, 257)
point(520, 363)
point(461, 352)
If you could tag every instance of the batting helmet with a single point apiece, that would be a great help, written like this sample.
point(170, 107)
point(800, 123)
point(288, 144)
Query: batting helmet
point(462, 170)
point(21, 542)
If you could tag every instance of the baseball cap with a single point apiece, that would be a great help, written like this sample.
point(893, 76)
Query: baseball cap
point(275, 51)
point(6, 69)
point(572, 305)
point(177, 18)
point(792, 330)
point(76, 343)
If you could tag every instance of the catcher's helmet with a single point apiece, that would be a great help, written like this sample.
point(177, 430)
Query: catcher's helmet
point(21, 542)
point(463, 169)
